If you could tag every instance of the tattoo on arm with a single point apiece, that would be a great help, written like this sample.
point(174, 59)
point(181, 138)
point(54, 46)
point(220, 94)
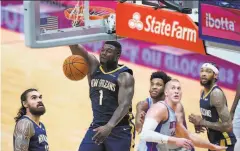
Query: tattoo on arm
point(24, 130)
point(218, 100)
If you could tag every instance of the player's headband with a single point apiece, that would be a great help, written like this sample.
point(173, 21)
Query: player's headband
point(210, 66)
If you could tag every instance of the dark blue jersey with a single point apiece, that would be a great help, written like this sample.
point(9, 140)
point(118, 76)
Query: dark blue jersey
point(209, 113)
point(104, 95)
point(38, 142)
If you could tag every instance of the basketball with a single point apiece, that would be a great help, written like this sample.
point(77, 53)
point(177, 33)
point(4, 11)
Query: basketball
point(75, 67)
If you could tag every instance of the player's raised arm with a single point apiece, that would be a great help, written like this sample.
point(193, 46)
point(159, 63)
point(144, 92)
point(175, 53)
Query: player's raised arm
point(126, 91)
point(24, 130)
point(141, 108)
point(197, 141)
point(219, 101)
point(92, 61)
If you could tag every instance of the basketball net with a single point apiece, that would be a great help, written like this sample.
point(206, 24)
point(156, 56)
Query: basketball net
point(77, 13)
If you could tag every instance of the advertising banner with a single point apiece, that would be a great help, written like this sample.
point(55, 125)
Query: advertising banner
point(220, 22)
point(186, 64)
point(158, 26)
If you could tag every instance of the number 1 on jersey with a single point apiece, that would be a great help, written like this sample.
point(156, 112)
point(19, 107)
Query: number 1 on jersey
point(100, 97)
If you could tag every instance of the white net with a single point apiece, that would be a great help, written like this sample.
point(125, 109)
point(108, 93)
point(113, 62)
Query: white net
point(77, 14)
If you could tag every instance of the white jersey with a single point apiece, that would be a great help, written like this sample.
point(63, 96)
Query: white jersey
point(236, 121)
point(167, 127)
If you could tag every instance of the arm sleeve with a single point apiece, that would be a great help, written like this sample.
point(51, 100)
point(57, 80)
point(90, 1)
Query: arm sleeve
point(148, 132)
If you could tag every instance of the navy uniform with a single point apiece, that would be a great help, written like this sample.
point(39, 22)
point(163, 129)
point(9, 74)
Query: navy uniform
point(104, 97)
point(209, 113)
point(38, 142)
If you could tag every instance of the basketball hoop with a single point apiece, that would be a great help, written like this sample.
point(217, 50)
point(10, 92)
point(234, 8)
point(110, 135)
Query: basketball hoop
point(95, 12)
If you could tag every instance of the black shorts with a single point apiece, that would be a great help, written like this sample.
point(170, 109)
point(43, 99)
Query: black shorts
point(120, 139)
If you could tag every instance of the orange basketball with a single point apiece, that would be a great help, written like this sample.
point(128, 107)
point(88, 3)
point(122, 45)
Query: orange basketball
point(75, 67)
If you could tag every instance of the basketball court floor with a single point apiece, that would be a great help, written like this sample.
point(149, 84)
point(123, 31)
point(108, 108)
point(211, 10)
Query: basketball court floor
point(68, 106)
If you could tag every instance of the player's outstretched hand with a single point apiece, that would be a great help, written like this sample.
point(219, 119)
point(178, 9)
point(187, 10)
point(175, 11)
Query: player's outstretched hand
point(219, 148)
point(185, 143)
point(202, 129)
point(102, 133)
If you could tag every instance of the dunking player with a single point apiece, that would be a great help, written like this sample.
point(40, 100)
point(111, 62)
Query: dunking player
point(161, 124)
point(30, 133)
point(213, 104)
point(235, 112)
point(158, 81)
point(111, 93)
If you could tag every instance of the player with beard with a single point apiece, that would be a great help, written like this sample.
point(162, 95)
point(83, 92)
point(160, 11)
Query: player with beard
point(30, 133)
point(216, 117)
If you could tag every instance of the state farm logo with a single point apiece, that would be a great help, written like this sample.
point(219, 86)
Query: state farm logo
point(219, 23)
point(135, 22)
point(163, 27)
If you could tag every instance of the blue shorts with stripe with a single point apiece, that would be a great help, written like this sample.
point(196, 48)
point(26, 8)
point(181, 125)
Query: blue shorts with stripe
point(229, 143)
point(121, 138)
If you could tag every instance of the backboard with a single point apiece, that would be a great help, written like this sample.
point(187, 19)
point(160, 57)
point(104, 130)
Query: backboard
point(51, 23)
point(67, 22)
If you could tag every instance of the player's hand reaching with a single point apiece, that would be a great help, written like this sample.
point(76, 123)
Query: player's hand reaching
point(102, 133)
point(219, 148)
point(199, 129)
point(195, 119)
point(185, 143)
